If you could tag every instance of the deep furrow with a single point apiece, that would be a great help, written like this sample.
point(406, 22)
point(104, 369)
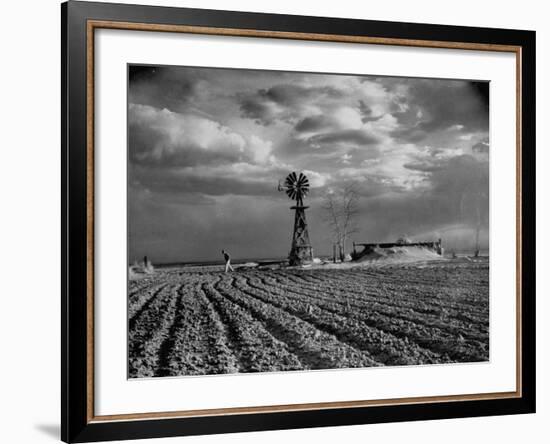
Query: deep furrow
point(434, 304)
point(135, 312)
point(458, 346)
point(148, 333)
point(381, 343)
point(258, 350)
point(357, 333)
point(315, 348)
point(440, 280)
point(197, 342)
point(230, 332)
point(167, 344)
point(425, 318)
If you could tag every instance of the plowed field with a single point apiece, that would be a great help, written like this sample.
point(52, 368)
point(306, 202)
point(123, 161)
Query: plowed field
point(197, 321)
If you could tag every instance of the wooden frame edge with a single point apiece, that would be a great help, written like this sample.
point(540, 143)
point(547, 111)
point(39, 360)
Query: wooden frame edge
point(337, 38)
point(285, 408)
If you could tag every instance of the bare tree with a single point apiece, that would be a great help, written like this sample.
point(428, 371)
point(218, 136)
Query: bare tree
point(341, 209)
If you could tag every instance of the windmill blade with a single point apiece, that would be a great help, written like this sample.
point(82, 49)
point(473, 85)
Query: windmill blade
point(293, 176)
point(289, 182)
point(303, 184)
point(303, 181)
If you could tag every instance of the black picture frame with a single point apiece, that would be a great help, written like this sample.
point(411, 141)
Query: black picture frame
point(77, 425)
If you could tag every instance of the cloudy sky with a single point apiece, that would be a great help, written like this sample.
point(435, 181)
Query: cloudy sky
point(207, 148)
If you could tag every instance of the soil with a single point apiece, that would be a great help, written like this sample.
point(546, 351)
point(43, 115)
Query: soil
point(200, 321)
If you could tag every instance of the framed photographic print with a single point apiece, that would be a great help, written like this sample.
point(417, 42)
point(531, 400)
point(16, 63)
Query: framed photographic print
point(276, 221)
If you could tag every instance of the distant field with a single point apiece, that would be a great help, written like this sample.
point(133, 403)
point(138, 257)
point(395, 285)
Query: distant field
point(196, 322)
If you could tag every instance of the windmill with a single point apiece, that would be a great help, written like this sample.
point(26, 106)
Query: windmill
point(296, 188)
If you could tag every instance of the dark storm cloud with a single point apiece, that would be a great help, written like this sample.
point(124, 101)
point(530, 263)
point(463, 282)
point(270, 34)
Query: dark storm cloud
point(266, 106)
point(481, 147)
point(353, 137)
point(437, 105)
point(289, 95)
point(163, 87)
point(409, 134)
point(257, 110)
point(425, 166)
point(367, 114)
point(314, 123)
point(322, 123)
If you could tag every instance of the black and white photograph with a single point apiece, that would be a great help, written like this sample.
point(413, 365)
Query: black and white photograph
point(293, 221)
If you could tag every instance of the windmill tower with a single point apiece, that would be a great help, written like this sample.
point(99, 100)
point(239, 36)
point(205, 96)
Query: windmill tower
point(296, 187)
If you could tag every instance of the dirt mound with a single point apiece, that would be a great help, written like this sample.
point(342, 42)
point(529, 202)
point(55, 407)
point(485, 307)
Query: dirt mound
point(400, 255)
point(140, 270)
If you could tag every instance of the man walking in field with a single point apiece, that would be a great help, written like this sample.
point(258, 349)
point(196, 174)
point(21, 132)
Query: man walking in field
point(227, 261)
